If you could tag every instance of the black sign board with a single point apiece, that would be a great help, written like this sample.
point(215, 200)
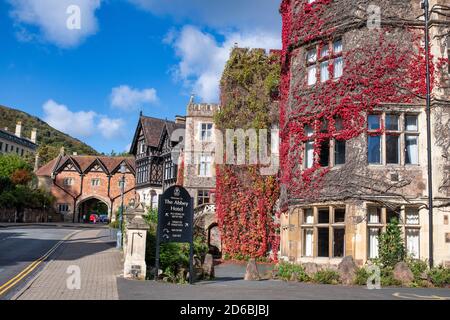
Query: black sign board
point(175, 215)
point(175, 221)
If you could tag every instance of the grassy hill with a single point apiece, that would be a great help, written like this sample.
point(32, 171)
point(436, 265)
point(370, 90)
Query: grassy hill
point(49, 139)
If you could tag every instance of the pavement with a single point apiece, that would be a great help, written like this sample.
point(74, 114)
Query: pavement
point(62, 263)
point(87, 254)
point(229, 285)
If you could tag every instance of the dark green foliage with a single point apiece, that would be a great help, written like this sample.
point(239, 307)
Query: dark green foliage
point(362, 275)
point(286, 270)
point(49, 139)
point(391, 245)
point(440, 276)
point(173, 256)
point(249, 85)
point(327, 276)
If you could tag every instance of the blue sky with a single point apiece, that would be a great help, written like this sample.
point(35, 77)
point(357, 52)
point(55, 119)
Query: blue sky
point(128, 55)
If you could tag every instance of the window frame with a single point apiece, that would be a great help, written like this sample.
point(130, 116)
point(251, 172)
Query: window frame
point(330, 59)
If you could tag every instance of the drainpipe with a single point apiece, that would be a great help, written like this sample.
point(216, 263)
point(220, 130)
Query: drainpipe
point(425, 6)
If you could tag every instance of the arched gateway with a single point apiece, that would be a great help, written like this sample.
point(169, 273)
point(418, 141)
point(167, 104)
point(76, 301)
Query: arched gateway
point(88, 184)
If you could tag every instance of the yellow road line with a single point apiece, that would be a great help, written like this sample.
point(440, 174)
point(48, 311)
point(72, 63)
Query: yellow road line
point(15, 280)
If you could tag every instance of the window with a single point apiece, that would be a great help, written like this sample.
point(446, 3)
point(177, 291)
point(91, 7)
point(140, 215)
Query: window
point(399, 135)
point(63, 208)
point(309, 148)
point(329, 232)
point(21, 152)
point(379, 217)
point(330, 55)
point(339, 152)
point(204, 169)
point(120, 183)
point(206, 131)
point(169, 170)
point(68, 181)
point(411, 139)
point(95, 182)
point(202, 197)
point(1, 146)
point(142, 148)
point(6, 147)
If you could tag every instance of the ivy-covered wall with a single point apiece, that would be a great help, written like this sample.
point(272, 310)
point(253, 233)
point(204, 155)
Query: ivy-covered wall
point(245, 200)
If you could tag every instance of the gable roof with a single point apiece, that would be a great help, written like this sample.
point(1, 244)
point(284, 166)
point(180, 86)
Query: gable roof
point(83, 163)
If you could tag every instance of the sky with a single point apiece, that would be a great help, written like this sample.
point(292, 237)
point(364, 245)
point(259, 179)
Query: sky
point(88, 67)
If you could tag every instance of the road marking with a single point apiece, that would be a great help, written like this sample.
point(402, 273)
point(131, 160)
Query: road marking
point(418, 297)
point(15, 280)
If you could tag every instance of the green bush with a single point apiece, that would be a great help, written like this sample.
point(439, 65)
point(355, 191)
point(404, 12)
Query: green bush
point(362, 275)
point(286, 270)
point(391, 245)
point(327, 276)
point(440, 276)
point(418, 268)
point(173, 257)
point(387, 277)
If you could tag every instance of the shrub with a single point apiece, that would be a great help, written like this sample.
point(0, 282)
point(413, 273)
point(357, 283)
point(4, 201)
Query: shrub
point(418, 268)
point(362, 275)
point(440, 276)
point(391, 245)
point(286, 270)
point(387, 277)
point(327, 276)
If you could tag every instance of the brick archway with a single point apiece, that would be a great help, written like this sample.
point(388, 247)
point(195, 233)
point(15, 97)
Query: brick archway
point(84, 207)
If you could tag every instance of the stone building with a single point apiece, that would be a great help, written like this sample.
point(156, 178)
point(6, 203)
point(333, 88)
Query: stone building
point(156, 164)
point(88, 184)
point(16, 143)
point(353, 129)
point(199, 174)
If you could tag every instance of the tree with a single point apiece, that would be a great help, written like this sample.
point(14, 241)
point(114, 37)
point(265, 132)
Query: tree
point(391, 245)
point(10, 163)
point(21, 177)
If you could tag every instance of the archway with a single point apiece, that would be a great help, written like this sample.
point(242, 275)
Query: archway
point(92, 206)
point(214, 240)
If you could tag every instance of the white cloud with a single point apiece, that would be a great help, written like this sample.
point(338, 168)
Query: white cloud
point(202, 57)
point(111, 128)
point(81, 124)
point(50, 17)
point(125, 97)
point(244, 15)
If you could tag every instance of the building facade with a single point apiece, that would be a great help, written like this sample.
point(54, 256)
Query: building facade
point(198, 161)
point(156, 164)
point(86, 184)
point(353, 129)
point(17, 144)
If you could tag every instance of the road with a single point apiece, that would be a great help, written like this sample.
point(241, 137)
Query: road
point(23, 252)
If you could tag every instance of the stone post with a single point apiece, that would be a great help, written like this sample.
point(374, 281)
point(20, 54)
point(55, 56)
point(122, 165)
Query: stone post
point(135, 244)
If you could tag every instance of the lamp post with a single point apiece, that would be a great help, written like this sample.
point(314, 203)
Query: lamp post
point(426, 8)
point(123, 170)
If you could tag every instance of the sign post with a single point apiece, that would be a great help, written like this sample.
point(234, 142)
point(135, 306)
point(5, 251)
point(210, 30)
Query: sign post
point(175, 223)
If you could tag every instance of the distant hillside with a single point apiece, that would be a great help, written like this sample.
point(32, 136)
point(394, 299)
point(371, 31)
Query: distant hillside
point(49, 139)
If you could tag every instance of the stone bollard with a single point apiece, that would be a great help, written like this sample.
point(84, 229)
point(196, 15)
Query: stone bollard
point(136, 240)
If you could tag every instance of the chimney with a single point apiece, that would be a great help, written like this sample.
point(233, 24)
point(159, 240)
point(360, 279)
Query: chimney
point(62, 152)
point(36, 162)
point(33, 135)
point(6, 128)
point(19, 129)
point(75, 153)
point(180, 120)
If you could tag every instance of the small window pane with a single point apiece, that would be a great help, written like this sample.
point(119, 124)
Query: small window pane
point(309, 154)
point(411, 150)
point(324, 159)
point(392, 149)
point(373, 242)
point(308, 216)
point(374, 147)
point(323, 242)
point(339, 152)
point(324, 72)
point(312, 75)
point(308, 242)
point(374, 122)
point(324, 52)
point(412, 242)
point(324, 215)
point(392, 122)
point(337, 46)
point(338, 242)
point(411, 123)
point(412, 216)
point(311, 56)
point(338, 67)
point(374, 215)
point(339, 215)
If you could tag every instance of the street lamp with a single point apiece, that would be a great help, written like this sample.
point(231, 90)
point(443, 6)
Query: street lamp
point(426, 8)
point(122, 170)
